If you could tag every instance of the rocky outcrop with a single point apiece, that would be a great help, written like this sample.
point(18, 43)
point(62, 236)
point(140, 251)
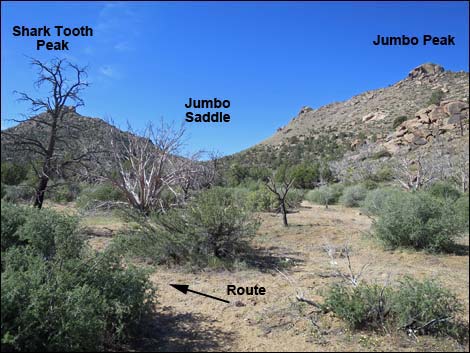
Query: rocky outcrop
point(425, 70)
point(379, 115)
point(429, 123)
point(305, 109)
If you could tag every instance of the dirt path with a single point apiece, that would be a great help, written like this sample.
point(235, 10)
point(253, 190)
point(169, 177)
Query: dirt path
point(277, 321)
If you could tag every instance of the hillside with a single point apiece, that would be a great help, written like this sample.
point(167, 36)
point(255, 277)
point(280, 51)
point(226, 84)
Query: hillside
point(339, 131)
point(367, 119)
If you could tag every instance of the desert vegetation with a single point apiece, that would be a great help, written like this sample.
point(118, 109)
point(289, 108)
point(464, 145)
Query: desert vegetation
point(90, 241)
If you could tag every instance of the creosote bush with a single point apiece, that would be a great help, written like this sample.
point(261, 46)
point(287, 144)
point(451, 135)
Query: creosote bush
point(423, 307)
point(418, 220)
point(213, 229)
point(58, 295)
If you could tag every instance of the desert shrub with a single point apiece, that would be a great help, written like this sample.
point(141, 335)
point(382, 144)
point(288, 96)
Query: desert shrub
point(353, 195)
point(425, 307)
point(100, 192)
point(12, 218)
point(461, 209)
point(325, 195)
point(214, 226)
point(444, 190)
point(13, 174)
point(17, 193)
point(436, 97)
point(381, 154)
point(375, 200)
point(362, 307)
point(422, 307)
point(306, 176)
point(262, 200)
point(56, 294)
point(49, 234)
point(64, 192)
point(294, 198)
point(398, 121)
point(417, 220)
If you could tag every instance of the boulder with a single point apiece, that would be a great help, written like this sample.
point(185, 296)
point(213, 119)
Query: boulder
point(401, 132)
point(447, 127)
point(374, 116)
point(423, 113)
point(455, 107)
point(454, 119)
point(408, 137)
point(419, 141)
point(425, 70)
point(437, 114)
point(305, 109)
point(391, 147)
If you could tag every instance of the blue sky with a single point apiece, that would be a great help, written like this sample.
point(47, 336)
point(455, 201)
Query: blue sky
point(268, 58)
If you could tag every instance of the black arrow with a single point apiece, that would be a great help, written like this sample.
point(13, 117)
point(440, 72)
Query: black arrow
point(184, 288)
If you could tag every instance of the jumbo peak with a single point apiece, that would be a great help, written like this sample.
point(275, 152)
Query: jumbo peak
point(425, 70)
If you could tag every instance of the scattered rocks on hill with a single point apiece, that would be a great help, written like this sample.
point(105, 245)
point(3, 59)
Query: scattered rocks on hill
point(429, 123)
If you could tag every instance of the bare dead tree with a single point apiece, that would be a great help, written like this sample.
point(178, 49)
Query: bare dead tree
point(280, 188)
point(415, 173)
point(51, 125)
point(145, 166)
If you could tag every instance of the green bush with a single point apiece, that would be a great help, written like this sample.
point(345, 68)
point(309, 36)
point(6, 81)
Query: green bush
point(56, 294)
point(417, 220)
point(376, 199)
point(294, 198)
point(425, 307)
point(213, 228)
point(17, 193)
point(262, 200)
point(325, 195)
point(398, 121)
point(363, 307)
point(64, 192)
point(13, 174)
point(422, 307)
point(12, 218)
point(436, 97)
point(461, 209)
point(99, 192)
point(353, 195)
point(306, 176)
point(444, 191)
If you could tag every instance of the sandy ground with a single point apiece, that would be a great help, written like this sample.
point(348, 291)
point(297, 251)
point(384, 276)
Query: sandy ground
point(277, 321)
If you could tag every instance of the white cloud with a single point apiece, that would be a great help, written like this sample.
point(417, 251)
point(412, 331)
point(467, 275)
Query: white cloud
point(109, 72)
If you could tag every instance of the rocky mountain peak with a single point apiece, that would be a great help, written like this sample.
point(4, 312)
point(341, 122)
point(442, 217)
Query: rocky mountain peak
point(425, 70)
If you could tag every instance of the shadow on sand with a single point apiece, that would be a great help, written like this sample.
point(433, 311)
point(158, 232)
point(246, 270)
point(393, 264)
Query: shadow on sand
point(168, 331)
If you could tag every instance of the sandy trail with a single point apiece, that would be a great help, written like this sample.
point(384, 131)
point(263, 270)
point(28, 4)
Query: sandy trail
point(277, 321)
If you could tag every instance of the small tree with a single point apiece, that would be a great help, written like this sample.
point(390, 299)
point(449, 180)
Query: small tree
point(280, 184)
point(49, 139)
